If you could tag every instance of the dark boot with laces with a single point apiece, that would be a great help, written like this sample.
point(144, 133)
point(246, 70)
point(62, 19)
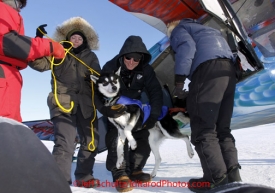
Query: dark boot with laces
point(196, 180)
point(140, 177)
point(123, 184)
point(233, 174)
point(200, 185)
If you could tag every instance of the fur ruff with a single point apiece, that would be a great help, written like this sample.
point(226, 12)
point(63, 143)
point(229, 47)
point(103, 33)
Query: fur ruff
point(171, 26)
point(77, 23)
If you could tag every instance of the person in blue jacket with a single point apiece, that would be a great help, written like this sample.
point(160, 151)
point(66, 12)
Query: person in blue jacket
point(203, 56)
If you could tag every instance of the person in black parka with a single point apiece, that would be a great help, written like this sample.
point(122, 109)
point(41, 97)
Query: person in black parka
point(136, 76)
point(71, 83)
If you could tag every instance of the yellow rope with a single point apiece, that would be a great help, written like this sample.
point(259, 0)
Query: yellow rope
point(55, 85)
point(92, 127)
point(72, 103)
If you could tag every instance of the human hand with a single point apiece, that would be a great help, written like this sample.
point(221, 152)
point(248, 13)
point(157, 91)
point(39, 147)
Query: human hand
point(87, 76)
point(57, 50)
point(67, 45)
point(39, 33)
point(150, 123)
point(114, 111)
point(180, 92)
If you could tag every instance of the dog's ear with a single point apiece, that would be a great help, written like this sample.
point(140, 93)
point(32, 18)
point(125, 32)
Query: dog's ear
point(93, 78)
point(118, 71)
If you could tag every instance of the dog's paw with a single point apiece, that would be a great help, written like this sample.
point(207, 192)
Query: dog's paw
point(191, 155)
point(153, 174)
point(118, 165)
point(133, 145)
point(191, 152)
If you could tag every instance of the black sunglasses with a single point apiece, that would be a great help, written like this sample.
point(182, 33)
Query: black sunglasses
point(135, 60)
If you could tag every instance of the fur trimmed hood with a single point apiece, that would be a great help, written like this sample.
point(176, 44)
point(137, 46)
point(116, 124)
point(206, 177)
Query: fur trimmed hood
point(13, 5)
point(171, 26)
point(77, 24)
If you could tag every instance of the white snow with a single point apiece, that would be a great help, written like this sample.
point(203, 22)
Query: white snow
point(256, 156)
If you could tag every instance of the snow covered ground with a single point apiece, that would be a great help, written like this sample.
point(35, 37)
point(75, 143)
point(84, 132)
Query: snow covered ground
point(256, 156)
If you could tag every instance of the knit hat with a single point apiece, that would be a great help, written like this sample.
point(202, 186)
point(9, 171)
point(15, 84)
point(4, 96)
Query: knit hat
point(78, 32)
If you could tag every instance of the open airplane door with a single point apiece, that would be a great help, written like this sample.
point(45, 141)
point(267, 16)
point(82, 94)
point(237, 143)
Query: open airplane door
point(248, 27)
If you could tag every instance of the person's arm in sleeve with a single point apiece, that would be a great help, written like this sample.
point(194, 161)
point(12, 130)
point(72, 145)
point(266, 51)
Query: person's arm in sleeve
point(185, 49)
point(26, 48)
point(41, 64)
point(95, 65)
point(154, 92)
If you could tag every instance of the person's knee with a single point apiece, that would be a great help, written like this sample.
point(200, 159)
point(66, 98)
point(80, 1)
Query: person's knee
point(226, 137)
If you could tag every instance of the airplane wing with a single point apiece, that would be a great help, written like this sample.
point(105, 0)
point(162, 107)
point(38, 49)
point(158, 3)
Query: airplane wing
point(44, 130)
point(159, 13)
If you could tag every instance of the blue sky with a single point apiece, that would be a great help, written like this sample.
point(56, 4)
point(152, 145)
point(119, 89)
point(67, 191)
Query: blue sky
point(112, 24)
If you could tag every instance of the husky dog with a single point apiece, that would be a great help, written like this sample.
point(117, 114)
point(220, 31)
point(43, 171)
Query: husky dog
point(108, 86)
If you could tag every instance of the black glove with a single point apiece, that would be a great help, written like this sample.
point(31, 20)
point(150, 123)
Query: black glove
point(67, 45)
point(179, 83)
point(179, 92)
point(87, 76)
point(114, 111)
point(39, 33)
point(150, 122)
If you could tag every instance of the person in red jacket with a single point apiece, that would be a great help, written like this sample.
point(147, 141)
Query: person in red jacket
point(16, 50)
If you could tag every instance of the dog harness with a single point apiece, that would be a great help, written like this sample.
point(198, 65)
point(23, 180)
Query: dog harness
point(146, 108)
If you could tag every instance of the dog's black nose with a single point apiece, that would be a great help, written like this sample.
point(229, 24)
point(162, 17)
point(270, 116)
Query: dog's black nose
point(114, 88)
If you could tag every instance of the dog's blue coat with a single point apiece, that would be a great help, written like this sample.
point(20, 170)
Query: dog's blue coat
point(145, 108)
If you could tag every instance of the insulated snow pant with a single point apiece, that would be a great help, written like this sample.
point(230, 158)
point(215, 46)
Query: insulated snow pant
point(210, 106)
point(26, 165)
point(10, 92)
point(134, 160)
point(65, 134)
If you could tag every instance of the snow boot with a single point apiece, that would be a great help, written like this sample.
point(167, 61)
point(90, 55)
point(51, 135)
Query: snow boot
point(140, 177)
point(123, 184)
point(196, 180)
point(234, 174)
point(200, 185)
point(92, 183)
